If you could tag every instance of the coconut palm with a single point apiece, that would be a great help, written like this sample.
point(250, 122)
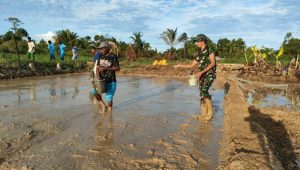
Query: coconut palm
point(66, 36)
point(184, 38)
point(170, 38)
point(138, 43)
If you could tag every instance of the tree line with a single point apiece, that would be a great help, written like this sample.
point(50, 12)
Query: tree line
point(231, 50)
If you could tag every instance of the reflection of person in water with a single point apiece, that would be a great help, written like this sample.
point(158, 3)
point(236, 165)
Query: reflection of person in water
point(105, 128)
point(32, 93)
point(63, 91)
point(52, 92)
point(76, 91)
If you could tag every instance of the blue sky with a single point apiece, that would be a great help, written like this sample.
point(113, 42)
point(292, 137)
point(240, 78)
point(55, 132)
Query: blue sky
point(260, 22)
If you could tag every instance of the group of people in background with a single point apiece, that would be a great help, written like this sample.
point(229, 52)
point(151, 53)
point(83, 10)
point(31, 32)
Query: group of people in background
point(61, 47)
point(51, 48)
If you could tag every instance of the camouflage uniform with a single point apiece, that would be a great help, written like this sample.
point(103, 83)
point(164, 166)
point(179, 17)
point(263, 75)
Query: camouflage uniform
point(202, 57)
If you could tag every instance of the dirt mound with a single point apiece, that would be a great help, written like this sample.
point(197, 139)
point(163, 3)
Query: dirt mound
point(269, 73)
point(258, 139)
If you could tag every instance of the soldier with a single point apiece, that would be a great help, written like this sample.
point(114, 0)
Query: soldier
point(206, 61)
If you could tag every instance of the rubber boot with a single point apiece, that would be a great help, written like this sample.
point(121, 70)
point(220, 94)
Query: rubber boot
point(210, 109)
point(203, 107)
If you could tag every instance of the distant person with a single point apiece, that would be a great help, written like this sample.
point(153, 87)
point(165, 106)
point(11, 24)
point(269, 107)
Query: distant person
point(96, 54)
point(51, 48)
point(107, 68)
point(75, 53)
point(206, 63)
point(61, 51)
point(31, 48)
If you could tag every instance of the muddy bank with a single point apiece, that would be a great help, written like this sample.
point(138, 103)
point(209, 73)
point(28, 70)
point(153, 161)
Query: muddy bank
point(40, 69)
point(254, 138)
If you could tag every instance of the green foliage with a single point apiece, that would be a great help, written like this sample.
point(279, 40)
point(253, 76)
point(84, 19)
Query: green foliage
point(292, 47)
point(67, 37)
point(233, 50)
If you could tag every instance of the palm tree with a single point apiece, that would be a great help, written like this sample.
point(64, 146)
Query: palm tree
point(66, 36)
point(138, 43)
point(184, 38)
point(170, 38)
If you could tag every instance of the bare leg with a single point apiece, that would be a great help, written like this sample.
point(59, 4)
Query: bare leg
point(103, 105)
point(110, 105)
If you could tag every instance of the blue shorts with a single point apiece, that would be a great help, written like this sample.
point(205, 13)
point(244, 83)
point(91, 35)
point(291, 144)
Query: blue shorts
point(52, 57)
point(111, 88)
point(110, 91)
point(62, 56)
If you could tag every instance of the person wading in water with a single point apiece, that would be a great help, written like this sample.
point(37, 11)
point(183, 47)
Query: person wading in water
point(107, 68)
point(206, 63)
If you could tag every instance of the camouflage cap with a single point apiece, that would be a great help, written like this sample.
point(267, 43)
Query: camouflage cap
point(199, 38)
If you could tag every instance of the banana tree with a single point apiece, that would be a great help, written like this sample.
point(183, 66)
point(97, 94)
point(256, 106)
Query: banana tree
point(280, 53)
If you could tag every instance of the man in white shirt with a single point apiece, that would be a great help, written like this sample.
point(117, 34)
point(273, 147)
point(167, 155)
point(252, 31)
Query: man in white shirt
point(31, 48)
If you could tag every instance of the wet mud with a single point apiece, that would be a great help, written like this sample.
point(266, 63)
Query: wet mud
point(258, 132)
point(53, 123)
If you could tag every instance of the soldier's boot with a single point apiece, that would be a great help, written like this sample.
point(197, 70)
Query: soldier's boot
point(203, 110)
point(203, 107)
point(210, 109)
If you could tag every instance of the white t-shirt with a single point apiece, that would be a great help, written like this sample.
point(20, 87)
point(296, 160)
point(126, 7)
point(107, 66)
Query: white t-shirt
point(31, 47)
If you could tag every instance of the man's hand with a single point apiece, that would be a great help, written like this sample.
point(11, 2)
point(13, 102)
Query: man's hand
point(99, 69)
point(199, 75)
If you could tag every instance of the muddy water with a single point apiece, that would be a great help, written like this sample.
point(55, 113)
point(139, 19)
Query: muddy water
point(287, 97)
point(52, 123)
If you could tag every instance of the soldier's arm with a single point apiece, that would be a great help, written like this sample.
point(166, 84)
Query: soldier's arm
point(191, 65)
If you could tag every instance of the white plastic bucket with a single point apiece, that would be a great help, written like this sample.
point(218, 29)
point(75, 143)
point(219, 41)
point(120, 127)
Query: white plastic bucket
point(193, 81)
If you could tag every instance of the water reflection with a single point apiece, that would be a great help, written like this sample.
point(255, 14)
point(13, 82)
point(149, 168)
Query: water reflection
point(63, 92)
point(32, 93)
point(52, 92)
point(75, 92)
point(19, 95)
point(105, 130)
point(266, 97)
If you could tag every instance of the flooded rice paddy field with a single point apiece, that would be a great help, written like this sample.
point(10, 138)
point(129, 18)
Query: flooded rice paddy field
point(53, 123)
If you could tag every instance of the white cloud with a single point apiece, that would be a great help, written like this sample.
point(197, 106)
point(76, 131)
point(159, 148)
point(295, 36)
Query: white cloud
point(47, 36)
